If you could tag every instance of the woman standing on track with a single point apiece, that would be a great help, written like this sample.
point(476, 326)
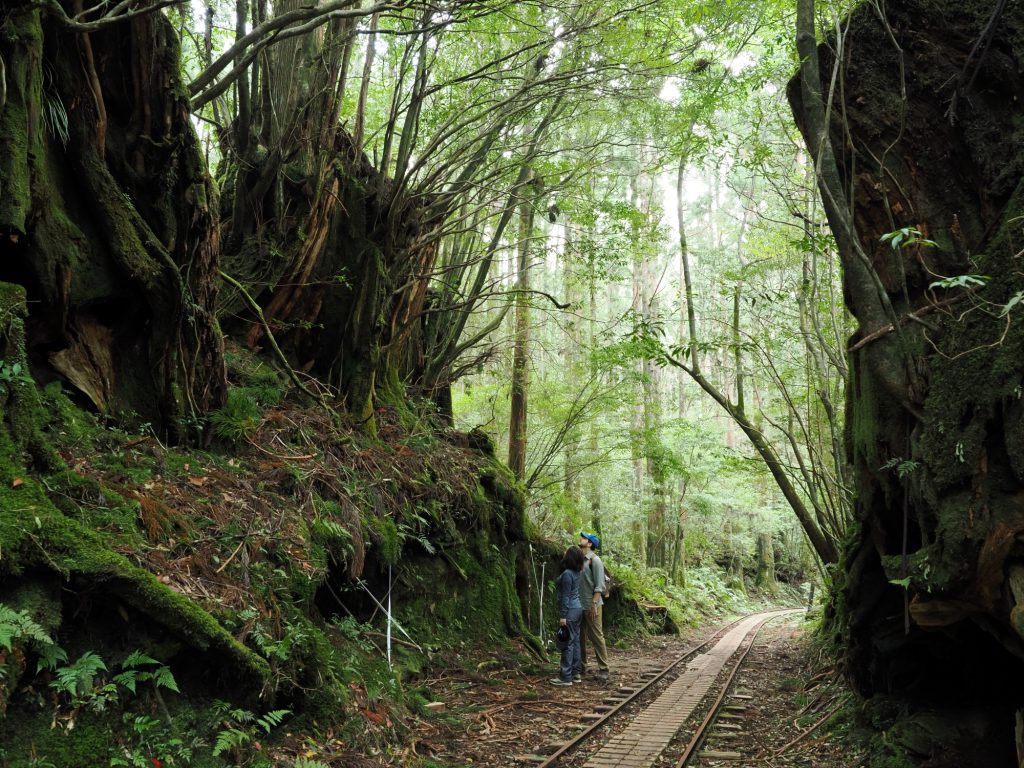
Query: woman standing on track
point(570, 611)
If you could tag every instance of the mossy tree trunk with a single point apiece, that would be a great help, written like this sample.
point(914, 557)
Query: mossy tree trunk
point(931, 138)
point(108, 253)
point(107, 217)
point(765, 577)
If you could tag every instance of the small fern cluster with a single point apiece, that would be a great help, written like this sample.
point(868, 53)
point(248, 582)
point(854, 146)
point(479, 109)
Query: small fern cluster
point(19, 626)
point(241, 727)
point(88, 684)
point(82, 680)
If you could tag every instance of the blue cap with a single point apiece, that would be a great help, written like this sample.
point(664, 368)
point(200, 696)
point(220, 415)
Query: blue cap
point(592, 538)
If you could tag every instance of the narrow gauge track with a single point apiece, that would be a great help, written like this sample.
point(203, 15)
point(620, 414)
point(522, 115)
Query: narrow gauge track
point(622, 749)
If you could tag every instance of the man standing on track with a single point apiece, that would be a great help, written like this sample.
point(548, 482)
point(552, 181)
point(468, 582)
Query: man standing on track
point(592, 597)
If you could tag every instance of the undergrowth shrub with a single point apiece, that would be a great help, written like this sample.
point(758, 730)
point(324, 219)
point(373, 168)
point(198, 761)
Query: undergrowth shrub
point(238, 419)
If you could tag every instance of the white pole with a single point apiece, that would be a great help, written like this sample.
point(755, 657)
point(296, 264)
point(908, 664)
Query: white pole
point(529, 593)
point(541, 590)
point(389, 617)
point(398, 626)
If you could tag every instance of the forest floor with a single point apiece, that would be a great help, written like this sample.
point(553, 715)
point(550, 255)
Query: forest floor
point(497, 710)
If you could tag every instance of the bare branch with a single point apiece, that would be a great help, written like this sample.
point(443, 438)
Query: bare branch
point(117, 15)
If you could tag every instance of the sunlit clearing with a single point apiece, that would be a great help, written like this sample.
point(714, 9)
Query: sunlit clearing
point(670, 90)
point(740, 62)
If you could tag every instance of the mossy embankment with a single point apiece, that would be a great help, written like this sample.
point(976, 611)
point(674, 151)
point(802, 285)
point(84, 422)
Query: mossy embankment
point(257, 572)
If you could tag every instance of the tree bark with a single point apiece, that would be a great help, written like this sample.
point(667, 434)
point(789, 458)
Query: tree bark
point(111, 230)
point(928, 142)
point(521, 353)
point(765, 578)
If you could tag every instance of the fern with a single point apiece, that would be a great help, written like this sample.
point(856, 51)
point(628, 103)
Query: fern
point(241, 728)
point(230, 738)
point(18, 625)
point(133, 673)
point(77, 679)
point(162, 678)
point(336, 537)
point(335, 530)
point(50, 656)
point(127, 679)
point(137, 659)
point(239, 417)
point(272, 719)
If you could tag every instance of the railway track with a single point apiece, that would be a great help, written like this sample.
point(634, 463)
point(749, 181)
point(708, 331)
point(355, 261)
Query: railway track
point(667, 714)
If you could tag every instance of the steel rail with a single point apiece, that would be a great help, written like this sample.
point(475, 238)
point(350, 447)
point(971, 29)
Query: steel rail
point(713, 710)
point(584, 734)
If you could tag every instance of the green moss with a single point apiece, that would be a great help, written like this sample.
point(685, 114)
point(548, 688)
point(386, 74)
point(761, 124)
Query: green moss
point(383, 533)
point(35, 534)
point(863, 421)
point(66, 424)
point(12, 301)
point(128, 237)
point(20, 124)
point(461, 597)
point(96, 507)
point(64, 249)
point(26, 735)
point(391, 393)
point(979, 367)
point(506, 496)
point(20, 405)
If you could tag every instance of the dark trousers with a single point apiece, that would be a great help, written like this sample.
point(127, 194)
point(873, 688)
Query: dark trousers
point(570, 663)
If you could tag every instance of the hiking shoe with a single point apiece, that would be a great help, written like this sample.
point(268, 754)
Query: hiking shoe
point(560, 681)
point(602, 676)
point(577, 678)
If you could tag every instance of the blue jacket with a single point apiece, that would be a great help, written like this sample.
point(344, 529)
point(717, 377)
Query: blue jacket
point(567, 591)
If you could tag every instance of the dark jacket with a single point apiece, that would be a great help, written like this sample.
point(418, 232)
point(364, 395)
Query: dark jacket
point(567, 591)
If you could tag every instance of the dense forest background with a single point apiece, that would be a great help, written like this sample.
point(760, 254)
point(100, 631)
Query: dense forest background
point(307, 304)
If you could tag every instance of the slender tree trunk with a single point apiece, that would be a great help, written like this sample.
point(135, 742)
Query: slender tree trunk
point(571, 354)
point(521, 353)
point(683, 302)
point(765, 579)
point(364, 84)
point(593, 447)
